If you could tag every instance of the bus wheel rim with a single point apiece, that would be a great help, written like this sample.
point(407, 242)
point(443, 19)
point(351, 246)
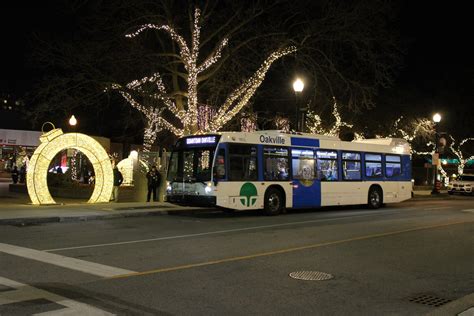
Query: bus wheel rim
point(375, 198)
point(274, 202)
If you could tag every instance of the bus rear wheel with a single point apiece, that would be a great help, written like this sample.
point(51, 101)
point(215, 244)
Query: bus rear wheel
point(375, 198)
point(274, 202)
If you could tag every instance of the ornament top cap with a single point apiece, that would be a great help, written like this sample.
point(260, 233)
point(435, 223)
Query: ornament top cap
point(50, 135)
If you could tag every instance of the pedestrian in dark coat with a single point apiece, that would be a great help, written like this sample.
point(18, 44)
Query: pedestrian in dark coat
point(22, 174)
point(154, 178)
point(15, 174)
point(118, 179)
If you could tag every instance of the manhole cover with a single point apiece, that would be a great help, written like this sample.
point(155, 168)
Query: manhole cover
point(430, 300)
point(311, 275)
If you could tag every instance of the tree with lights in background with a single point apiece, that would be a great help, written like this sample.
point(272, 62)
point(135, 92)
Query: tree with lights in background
point(185, 117)
point(460, 151)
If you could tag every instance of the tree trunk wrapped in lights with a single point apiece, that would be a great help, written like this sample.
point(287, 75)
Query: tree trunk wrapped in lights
point(184, 119)
point(314, 122)
point(459, 153)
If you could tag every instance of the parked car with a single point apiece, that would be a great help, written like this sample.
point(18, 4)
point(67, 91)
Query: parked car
point(463, 184)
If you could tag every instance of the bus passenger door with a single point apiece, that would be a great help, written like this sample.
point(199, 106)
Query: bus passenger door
point(306, 193)
point(306, 186)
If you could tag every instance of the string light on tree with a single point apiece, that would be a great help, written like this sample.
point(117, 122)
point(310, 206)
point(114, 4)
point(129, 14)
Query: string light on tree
point(418, 128)
point(240, 96)
point(314, 122)
point(205, 114)
point(248, 122)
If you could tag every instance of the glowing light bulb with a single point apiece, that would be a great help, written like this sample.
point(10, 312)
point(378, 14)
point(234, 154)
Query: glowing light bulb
point(72, 120)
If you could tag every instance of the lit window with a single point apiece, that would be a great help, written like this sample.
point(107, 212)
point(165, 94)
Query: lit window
point(393, 165)
point(327, 165)
point(351, 166)
point(373, 165)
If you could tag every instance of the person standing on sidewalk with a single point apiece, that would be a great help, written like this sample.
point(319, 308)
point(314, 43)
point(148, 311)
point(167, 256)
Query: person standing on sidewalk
point(22, 174)
point(118, 179)
point(153, 176)
point(15, 175)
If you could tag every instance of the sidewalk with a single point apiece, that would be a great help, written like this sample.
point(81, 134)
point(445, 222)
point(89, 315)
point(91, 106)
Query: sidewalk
point(16, 209)
point(22, 215)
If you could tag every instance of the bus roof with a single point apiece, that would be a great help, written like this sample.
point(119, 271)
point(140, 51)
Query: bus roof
point(277, 137)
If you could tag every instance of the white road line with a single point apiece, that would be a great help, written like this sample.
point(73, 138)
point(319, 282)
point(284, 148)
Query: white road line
point(470, 210)
point(214, 232)
point(62, 261)
point(437, 208)
point(22, 292)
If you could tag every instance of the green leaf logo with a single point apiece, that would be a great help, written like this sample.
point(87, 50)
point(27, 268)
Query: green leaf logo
point(248, 192)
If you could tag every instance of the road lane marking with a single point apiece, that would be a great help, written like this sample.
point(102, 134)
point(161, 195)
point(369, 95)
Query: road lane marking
point(22, 292)
point(471, 210)
point(62, 261)
point(437, 208)
point(213, 232)
point(283, 251)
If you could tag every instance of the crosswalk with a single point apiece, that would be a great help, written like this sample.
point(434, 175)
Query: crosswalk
point(62, 261)
point(22, 299)
point(14, 292)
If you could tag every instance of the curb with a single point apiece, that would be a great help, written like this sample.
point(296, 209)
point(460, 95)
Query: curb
point(121, 212)
point(27, 221)
point(442, 196)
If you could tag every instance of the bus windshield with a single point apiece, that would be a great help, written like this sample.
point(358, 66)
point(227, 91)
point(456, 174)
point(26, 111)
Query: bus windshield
point(191, 165)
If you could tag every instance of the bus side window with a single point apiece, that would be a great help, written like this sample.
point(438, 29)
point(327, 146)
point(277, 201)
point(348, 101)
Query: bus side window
point(276, 164)
point(327, 165)
point(373, 165)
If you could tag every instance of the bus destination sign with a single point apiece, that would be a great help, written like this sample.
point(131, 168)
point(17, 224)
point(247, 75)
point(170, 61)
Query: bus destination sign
point(201, 140)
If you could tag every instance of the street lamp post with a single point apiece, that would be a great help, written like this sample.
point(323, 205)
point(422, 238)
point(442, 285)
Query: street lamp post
point(435, 158)
point(298, 86)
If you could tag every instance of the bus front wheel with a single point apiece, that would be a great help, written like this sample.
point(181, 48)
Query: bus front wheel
point(274, 202)
point(375, 198)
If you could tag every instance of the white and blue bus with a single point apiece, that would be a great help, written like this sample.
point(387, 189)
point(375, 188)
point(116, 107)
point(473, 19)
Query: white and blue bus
point(273, 170)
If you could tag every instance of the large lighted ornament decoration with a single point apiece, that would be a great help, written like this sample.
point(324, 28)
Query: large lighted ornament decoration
point(52, 143)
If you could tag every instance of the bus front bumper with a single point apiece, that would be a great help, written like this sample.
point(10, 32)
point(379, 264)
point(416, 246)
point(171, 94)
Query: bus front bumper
point(194, 200)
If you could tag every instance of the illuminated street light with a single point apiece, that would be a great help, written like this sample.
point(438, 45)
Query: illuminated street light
point(298, 86)
point(72, 120)
point(435, 158)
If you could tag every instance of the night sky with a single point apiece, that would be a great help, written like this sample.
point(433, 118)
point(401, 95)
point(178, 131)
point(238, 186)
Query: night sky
point(438, 73)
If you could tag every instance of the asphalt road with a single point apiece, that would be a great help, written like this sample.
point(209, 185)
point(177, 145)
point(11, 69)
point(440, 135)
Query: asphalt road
point(210, 263)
